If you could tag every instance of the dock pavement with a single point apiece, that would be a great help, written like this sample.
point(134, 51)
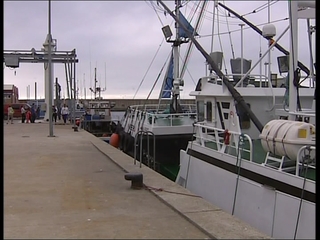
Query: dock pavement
point(71, 185)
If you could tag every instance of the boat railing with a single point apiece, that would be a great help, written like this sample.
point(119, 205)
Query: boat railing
point(307, 115)
point(304, 113)
point(262, 80)
point(254, 80)
point(224, 141)
point(306, 158)
point(160, 108)
point(160, 116)
point(170, 119)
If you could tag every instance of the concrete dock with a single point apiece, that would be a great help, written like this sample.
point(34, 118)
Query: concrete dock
point(72, 185)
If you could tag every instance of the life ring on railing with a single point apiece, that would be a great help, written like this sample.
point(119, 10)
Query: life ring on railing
point(226, 137)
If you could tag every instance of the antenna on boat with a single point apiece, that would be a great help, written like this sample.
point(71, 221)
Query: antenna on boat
point(105, 76)
point(96, 89)
point(84, 86)
point(90, 82)
point(78, 89)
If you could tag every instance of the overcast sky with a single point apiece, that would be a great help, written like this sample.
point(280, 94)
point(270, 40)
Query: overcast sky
point(123, 40)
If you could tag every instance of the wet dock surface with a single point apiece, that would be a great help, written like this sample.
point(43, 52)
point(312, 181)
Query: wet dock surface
point(72, 186)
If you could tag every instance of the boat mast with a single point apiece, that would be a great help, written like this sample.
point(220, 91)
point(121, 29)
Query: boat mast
point(95, 83)
point(236, 95)
point(293, 11)
point(105, 76)
point(297, 10)
point(176, 48)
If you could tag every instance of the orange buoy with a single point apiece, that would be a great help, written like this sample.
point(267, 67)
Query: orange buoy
point(114, 140)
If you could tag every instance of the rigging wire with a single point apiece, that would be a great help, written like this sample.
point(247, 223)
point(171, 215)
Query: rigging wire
point(155, 6)
point(239, 160)
point(220, 43)
point(244, 28)
point(193, 12)
point(208, 14)
point(193, 9)
point(262, 7)
point(191, 45)
point(302, 191)
point(155, 10)
point(212, 27)
point(148, 68)
point(230, 39)
point(154, 84)
point(186, 69)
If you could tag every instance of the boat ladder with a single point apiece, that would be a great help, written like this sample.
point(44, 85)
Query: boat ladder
point(280, 163)
point(150, 160)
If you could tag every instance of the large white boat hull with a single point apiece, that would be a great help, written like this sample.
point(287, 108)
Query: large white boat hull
point(270, 210)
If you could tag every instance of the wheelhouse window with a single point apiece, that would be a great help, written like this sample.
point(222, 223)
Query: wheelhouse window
point(200, 110)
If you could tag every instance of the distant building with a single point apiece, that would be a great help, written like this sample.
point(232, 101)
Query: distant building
point(10, 93)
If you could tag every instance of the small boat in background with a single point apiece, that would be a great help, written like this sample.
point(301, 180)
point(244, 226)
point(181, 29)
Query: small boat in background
point(97, 118)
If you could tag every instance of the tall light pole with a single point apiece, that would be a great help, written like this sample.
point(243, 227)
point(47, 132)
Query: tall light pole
point(50, 88)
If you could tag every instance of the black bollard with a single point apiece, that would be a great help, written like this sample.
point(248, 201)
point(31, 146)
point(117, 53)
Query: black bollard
point(136, 180)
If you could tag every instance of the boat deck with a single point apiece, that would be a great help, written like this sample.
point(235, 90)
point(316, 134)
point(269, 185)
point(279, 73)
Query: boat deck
point(72, 186)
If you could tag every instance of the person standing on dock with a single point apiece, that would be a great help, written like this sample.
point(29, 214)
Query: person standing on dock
point(33, 113)
point(28, 116)
point(64, 113)
point(54, 114)
point(10, 114)
point(59, 112)
point(23, 114)
point(38, 112)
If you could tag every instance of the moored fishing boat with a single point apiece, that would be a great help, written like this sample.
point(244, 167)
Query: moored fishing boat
point(97, 118)
point(254, 149)
point(154, 134)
